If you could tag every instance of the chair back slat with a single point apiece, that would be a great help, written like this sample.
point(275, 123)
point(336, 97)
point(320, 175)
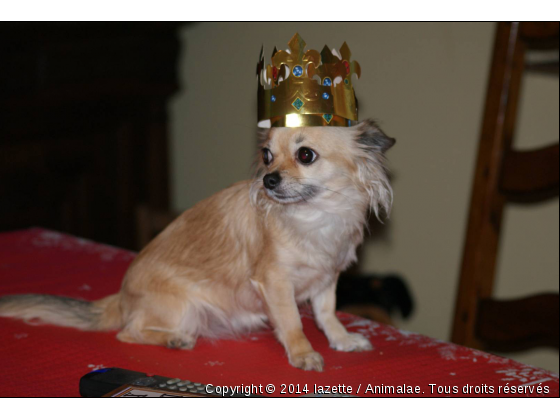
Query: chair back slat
point(519, 324)
point(530, 176)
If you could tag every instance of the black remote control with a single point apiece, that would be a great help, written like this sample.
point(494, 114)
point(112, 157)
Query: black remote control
point(128, 383)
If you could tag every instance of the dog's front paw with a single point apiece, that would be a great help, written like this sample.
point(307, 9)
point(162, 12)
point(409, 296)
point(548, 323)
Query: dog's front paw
point(308, 361)
point(352, 342)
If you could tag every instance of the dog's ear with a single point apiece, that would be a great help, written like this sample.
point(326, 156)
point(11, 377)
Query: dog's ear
point(370, 135)
point(372, 144)
point(263, 134)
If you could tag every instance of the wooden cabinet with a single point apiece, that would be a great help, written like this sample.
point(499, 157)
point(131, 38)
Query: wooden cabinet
point(83, 125)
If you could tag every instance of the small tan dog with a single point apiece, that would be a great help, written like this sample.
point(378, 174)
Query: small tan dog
point(250, 253)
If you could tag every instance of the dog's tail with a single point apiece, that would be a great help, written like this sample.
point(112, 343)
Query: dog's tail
point(104, 314)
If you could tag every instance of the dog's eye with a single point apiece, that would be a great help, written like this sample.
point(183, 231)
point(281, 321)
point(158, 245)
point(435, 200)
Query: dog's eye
point(267, 156)
point(306, 155)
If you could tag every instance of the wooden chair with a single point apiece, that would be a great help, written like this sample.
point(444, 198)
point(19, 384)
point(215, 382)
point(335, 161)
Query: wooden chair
point(504, 175)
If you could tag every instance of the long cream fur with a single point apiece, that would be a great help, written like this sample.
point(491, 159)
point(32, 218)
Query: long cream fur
point(248, 255)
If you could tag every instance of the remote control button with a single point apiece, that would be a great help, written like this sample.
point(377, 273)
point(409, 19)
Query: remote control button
point(183, 383)
point(190, 386)
point(193, 390)
point(147, 381)
point(200, 388)
point(173, 381)
point(197, 384)
point(171, 387)
point(183, 388)
point(162, 385)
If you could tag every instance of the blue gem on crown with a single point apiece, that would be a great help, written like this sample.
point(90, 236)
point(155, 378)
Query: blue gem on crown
point(273, 98)
point(298, 103)
point(297, 71)
point(327, 81)
point(326, 95)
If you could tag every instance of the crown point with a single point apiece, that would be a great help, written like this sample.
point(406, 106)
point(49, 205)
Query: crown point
point(327, 55)
point(296, 38)
point(296, 44)
point(357, 69)
point(345, 52)
point(260, 64)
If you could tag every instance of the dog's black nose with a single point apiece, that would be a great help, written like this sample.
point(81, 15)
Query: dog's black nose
point(272, 180)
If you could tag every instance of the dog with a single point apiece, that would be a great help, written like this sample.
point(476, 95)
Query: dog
point(249, 254)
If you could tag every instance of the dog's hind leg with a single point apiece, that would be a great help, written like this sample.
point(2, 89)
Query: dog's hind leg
point(160, 323)
point(171, 339)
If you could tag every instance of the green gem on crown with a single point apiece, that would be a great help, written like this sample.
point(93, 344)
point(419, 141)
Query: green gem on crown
point(298, 104)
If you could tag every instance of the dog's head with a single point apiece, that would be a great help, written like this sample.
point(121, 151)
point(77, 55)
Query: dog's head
point(314, 164)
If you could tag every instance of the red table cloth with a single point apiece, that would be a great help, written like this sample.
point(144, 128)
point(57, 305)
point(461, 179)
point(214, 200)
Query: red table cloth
point(49, 361)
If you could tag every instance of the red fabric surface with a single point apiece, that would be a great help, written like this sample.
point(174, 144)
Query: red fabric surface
point(49, 361)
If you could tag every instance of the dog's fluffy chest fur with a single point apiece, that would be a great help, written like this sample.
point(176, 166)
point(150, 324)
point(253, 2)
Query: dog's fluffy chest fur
point(317, 246)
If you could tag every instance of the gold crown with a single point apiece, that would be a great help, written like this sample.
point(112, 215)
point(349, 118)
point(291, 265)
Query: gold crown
point(307, 88)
